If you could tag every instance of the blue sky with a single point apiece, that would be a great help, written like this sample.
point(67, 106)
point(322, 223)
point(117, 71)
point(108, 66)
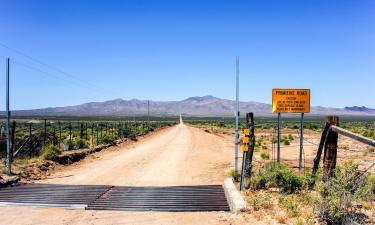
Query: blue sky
point(171, 50)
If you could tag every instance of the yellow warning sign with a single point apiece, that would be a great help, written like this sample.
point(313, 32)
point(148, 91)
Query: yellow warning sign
point(245, 148)
point(246, 131)
point(290, 100)
point(246, 140)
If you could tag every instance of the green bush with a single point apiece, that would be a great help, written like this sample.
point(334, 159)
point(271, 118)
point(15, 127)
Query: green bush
point(265, 155)
point(286, 142)
point(336, 197)
point(132, 137)
point(51, 152)
point(106, 139)
point(81, 143)
point(260, 201)
point(275, 175)
point(289, 203)
point(236, 176)
point(290, 137)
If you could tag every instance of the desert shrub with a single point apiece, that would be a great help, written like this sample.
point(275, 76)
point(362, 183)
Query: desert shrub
point(337, 196)
point(290, 204)
point(259, 201)
point(50, 152)
point(81, 143)
point(278, 176)
point(371, 183)
point(299, 221)
point(290, 137)
point(265, 155)
point(286, 142)
point(132, 136)
point(367, 192)
point(106, 139)
point(236, 176)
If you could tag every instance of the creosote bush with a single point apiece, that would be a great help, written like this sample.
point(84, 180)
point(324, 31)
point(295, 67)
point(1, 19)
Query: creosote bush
point(276, 175)
point(51, 152)
point(260, 201)
point(338, 196)
point(81, 143)
point(106, 139)
point(265, 155)
point(236, 176)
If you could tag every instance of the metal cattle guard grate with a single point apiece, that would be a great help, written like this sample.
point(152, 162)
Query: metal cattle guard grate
point(177, 199)
point(95, 197)
point(52, 195)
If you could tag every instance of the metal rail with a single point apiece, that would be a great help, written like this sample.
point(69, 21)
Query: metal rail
point(352, 135)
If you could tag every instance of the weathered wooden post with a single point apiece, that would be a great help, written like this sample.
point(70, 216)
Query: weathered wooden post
point(320, 148)
point(55, 141)
point(45, 133)
point(81, 131)
point(86, 135)
point(30, 134)
point(70, 136)
point(249, 144)
point(92, 135)
point(97, 134)
point(330, 150)
point(101, 131)
point(59, 142)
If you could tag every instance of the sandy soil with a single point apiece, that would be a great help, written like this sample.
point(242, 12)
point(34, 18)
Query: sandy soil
point(348, 149)
point(180, 155)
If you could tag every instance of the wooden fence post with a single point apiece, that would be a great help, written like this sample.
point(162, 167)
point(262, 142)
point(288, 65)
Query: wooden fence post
point(45, 133)
point(330, 150)
point(70, 136)
point(81, 132)
point(320, 148)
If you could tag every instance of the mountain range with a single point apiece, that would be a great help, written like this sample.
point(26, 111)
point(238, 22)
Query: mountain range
point(204, 106)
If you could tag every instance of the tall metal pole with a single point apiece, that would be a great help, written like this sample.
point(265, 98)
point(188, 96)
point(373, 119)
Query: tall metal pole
point(301, 145)
point(237, 114)
point(9, 161)
point(278, 136)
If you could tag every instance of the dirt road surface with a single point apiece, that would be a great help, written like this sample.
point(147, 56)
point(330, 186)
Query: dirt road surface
point(180, 155)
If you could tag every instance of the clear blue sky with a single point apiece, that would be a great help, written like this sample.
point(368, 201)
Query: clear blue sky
point(171, 50)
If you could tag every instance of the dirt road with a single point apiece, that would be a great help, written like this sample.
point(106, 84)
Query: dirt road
point(180, 155)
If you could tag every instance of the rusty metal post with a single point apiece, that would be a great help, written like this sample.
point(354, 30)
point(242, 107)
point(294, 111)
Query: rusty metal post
point(330, 150)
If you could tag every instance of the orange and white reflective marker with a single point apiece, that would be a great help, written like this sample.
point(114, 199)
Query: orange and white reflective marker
point(246, 131)
point(245, 148)
point(246, 140)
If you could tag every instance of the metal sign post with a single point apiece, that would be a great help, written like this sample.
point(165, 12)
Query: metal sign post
point(9, 157)
point(301, 145)
point(290, 101)
point(278, 136)
point(237, 115)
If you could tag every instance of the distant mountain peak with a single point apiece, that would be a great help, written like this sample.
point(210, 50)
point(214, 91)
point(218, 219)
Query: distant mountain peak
point(201, 98)
point(359, 109)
